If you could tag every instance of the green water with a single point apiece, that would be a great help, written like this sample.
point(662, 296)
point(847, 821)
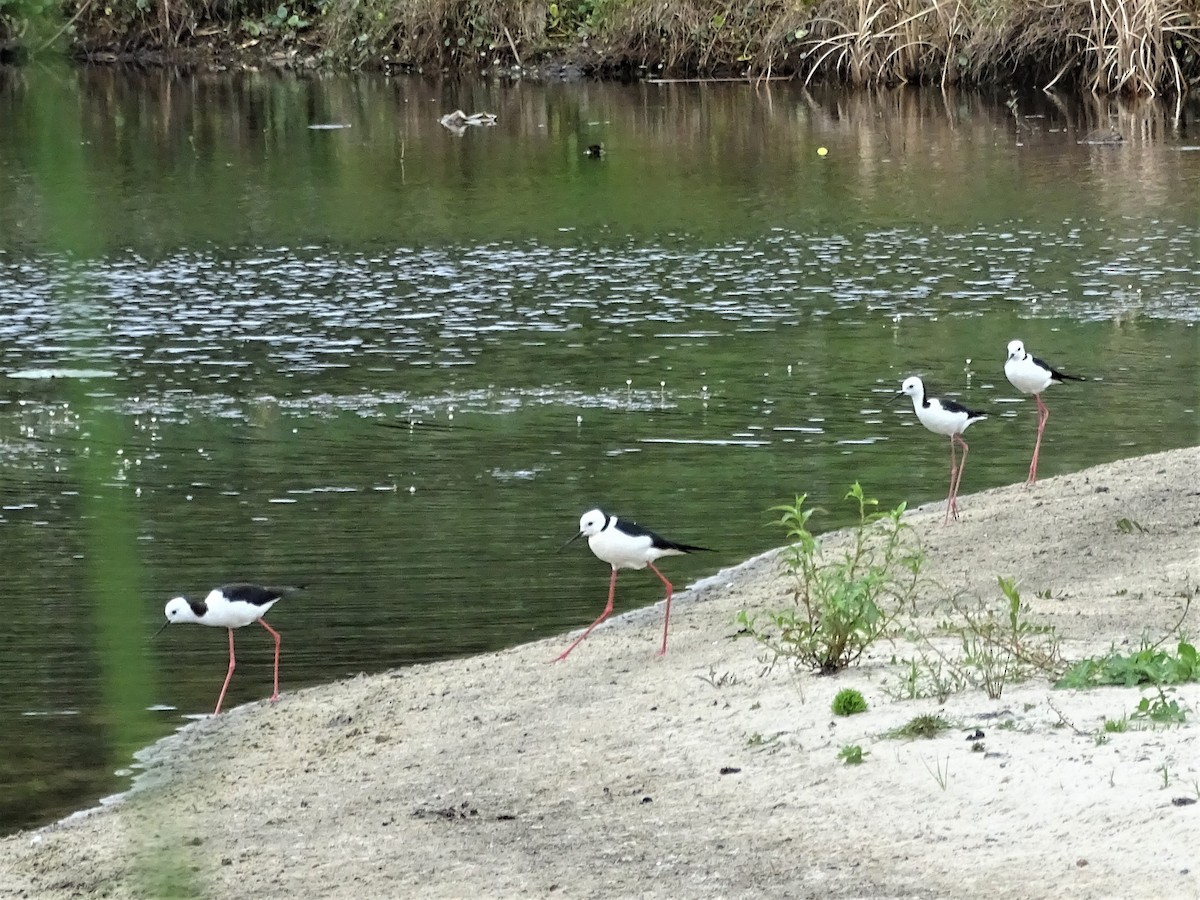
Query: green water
point(210, 311)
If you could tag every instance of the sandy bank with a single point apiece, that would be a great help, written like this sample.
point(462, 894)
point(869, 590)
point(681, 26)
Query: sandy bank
point(621, 774)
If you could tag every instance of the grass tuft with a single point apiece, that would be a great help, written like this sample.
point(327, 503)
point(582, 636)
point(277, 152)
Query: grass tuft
point(923, 726)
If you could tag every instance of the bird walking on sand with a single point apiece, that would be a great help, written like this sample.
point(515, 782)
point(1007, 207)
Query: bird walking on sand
point(625, 545)
point(946, 417)
point(230, 606)
point(1030, 375)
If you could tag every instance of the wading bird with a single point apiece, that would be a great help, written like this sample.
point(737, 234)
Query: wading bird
point(625, 545)
point(943, 417)
point(1030, 375)
point(230, 606)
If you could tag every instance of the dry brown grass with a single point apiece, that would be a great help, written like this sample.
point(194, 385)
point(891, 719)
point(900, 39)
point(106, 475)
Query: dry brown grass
point(887, 41)
point(454, 34)
point(1109, 46)
point(1133, 45)
point(693, 37)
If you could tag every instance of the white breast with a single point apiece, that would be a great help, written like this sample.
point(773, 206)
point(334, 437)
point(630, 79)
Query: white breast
point(939, 420)
point(1026, 376)
point(224, 614)
point(622, 550)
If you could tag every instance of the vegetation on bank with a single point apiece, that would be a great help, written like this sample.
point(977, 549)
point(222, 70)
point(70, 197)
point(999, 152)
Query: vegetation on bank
point(849, 597)
point(1108, 46)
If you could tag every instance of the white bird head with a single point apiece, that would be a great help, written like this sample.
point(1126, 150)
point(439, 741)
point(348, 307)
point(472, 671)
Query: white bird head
point(591, 522)
point(913, 386)
point(1016, 350)
point(178, 610)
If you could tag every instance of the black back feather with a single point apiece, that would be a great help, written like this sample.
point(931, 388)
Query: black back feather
point(1055, 375)
point(254, 594)
point(656, 540)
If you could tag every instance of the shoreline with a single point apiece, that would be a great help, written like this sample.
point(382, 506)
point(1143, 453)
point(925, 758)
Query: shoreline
point(975, 44)
point(617, 773)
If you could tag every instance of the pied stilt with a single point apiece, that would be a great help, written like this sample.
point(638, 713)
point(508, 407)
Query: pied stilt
point(943, 417)
point(1030, 375)
point(230, 606)
point(625, 545)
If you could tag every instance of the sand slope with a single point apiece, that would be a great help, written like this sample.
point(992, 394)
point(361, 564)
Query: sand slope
point(618, 773)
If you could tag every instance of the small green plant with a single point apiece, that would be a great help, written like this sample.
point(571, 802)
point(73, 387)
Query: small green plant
point(848, 600)
point(848, 702)
point(852, 755)
point(1116, 726)
point(923, 726)
point(996, 650)
point(1161, 710)
point(1129, 526)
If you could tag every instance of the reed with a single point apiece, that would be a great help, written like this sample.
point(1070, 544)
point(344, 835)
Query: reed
point(1132, 47)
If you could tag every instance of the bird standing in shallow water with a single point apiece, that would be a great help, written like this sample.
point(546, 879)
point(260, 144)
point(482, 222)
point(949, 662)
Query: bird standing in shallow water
point(230, 607)
point(625, 545)
point(1030, 375)
point(943, 417)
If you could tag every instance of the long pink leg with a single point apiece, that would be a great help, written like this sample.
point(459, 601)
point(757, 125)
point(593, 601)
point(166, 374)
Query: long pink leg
point(667, 619)
point(275, 634)
point(228, 675)
point(612, 589)
point(962, 464)
point(1043, 415)
point(950, 508)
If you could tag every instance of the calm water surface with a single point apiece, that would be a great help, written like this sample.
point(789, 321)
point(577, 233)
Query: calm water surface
point(211, 313)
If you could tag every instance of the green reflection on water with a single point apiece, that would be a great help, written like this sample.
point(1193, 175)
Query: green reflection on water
point(109, 598)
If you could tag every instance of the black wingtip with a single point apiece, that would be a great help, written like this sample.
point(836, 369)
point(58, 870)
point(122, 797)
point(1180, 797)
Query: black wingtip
point(692, 548)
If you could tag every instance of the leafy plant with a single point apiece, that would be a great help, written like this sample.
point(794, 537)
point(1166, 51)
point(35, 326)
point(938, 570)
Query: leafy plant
point(846, 601)
point(999, 650)
point(852, 755)
point(996, 649)
point(1161, 710)
point(1147, 665)
point(848, 702)
point(570, 18)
